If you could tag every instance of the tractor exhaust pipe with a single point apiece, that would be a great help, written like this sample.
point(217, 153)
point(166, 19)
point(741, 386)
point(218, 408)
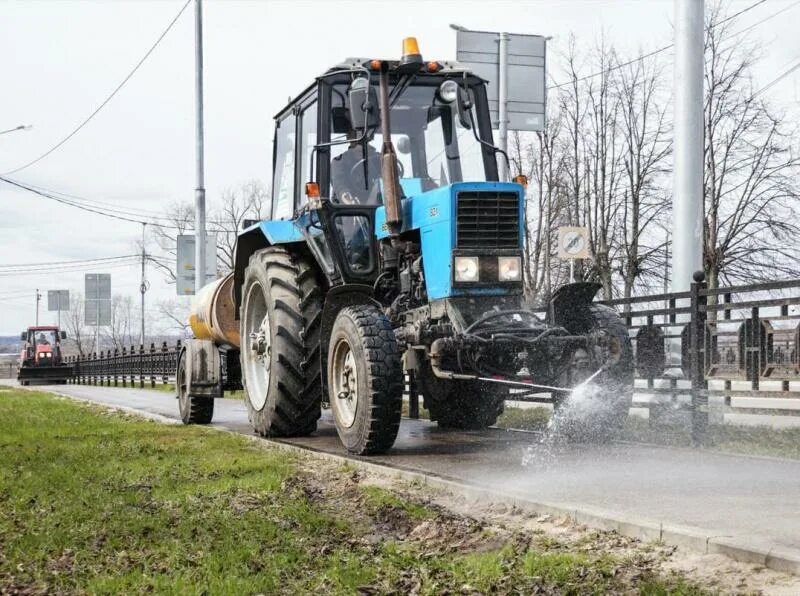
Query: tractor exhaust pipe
point(391, 183)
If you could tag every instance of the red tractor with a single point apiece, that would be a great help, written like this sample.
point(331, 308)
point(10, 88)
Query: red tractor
point(42, 358)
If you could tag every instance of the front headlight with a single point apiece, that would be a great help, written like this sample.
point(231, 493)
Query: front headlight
point(466, 269)
point(509, 269)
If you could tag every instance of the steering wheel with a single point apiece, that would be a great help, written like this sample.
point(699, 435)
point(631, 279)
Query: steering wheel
point(357, 169)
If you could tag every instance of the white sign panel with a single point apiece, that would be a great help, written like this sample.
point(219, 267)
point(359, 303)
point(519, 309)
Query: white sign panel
point(184, 273)
point(57, 300)
point(527, 88)
point(573, 242)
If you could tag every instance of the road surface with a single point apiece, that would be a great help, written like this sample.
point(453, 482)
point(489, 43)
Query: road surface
point(746, 506)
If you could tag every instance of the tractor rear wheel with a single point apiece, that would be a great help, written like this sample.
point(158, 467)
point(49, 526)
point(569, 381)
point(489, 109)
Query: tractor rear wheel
point(194, 410)
point(600, 417)
point(280, 330)
point(365, 380)
point(461, 404)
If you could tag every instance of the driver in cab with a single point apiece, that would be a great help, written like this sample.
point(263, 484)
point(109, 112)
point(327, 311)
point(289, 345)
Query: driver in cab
point(355, 174)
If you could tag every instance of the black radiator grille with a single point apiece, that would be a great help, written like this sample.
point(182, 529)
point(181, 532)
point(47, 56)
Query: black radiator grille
point(487, 220)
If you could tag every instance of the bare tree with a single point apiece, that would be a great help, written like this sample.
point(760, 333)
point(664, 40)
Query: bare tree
point(751, 169)
point(174, 316)
point(236, 205)
point(80, 338)
point(646, 147)
point(179, 220)
point(118, 333)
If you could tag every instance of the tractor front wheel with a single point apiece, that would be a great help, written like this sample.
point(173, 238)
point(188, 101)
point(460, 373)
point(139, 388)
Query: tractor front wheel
point(365, 380)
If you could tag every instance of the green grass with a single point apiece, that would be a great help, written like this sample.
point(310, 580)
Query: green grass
point(99, 502)
point(524, 418)
point(746, 440)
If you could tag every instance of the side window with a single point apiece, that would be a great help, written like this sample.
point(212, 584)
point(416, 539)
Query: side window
point(283, 180)
point(308, 139)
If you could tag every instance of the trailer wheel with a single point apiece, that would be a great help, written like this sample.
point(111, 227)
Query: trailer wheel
point(604, 422)
point(194, 410)
point(280, 328)
point(365, 380)
point(461, 404)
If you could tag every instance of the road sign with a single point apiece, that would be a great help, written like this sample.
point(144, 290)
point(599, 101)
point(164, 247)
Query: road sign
point(527, 89)
point(97, 293)
point(573, 242)
point(57, 300)
point(185, 270)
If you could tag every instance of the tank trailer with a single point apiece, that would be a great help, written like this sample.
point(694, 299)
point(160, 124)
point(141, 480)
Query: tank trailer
point(392, 247)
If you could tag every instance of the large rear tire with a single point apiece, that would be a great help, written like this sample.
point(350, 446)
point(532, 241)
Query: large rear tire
point(365, 380)
point(194, 410)
point(461, 404)
point(280, 330)
point(605, 422)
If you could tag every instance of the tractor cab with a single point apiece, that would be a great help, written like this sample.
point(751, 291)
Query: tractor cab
point(329, 186)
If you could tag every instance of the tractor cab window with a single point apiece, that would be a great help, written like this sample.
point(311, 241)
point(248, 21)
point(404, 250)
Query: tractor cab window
point(283, 184)
point(434, 148)
point(308, 139)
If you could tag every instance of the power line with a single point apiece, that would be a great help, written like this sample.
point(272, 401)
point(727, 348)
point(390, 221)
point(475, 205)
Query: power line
point(107, 99)
point(70, 203)
point(129, 216)
point(71, 262)
point(670, 46)
point(775, 81)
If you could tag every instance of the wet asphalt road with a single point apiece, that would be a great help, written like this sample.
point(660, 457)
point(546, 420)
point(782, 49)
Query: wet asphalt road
point(749, 499)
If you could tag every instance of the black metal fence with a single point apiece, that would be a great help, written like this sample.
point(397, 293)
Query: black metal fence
point(127, 367)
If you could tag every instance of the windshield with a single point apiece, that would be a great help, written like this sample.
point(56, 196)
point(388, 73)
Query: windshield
point(43, 337)
point(433, 147)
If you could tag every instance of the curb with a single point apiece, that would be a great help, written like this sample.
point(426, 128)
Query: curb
point(777, 558)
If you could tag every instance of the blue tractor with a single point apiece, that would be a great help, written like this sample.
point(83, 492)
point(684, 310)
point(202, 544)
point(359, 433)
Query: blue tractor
point(394, 248)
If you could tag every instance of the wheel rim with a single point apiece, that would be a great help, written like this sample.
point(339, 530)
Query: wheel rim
point(256, 346)
point(345, 384)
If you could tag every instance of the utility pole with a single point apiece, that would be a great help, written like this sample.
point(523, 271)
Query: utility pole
point(200, 191)
point(502, 109)
point(687, 188)
point(143, 285)
point(38, 298)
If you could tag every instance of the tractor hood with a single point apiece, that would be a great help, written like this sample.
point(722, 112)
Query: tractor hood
point(482, 220)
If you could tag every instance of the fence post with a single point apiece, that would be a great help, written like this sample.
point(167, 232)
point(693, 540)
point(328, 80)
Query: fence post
point(152, 365)
point(755, 350)
point(164, 377)
point(699, 409)
point(141, 366)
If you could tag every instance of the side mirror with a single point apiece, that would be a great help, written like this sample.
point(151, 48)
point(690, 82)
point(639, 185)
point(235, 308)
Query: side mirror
point(23, 336)
point(63, 335)
point(464, 106)
point(363, 105)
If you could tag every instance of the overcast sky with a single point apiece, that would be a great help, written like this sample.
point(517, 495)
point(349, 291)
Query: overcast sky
point(60, 59)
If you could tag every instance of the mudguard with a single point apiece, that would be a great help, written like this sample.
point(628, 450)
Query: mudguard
point(258, 236)
point(568, 306)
